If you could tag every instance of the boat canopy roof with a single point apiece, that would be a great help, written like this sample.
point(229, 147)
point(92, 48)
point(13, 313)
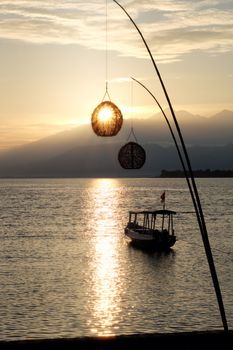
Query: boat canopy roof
point(154, 212)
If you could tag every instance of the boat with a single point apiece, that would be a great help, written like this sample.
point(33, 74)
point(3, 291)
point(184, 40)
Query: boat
point(151, 229)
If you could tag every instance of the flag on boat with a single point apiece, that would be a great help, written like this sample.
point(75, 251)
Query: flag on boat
point(162, 197)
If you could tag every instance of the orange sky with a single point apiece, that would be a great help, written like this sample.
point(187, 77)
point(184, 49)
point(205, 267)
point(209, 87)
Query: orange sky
point(53, 61)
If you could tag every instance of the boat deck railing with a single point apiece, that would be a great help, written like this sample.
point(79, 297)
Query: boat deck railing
point(146, 230)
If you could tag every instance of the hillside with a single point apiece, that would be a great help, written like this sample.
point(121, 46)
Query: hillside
point(79, 152)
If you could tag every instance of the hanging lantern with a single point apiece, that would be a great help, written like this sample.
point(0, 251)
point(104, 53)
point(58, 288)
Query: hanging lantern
point(106, 119)
point(132, 156)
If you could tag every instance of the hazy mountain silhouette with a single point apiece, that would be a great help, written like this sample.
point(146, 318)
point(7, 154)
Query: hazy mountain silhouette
point(79, 152)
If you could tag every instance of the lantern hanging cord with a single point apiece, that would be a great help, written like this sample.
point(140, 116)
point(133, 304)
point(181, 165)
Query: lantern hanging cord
point(132, 133)
point(106, 93)
point(131, 102)
point(106, 53)
point(106, 45)
point(131, 118)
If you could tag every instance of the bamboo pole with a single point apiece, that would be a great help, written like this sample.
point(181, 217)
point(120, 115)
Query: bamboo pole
point(200, 214)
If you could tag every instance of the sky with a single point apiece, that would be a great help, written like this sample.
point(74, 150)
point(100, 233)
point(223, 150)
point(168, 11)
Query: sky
point(57, 55)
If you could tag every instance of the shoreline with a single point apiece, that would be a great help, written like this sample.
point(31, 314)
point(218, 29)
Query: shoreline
point(183, 341)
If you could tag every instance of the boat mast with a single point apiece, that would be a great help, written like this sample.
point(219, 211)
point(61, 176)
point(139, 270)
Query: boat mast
point(163, 221)
point(169, 223)
point(163, 199)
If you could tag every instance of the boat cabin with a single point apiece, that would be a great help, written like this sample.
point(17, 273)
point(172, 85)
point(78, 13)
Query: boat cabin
point(148, 221)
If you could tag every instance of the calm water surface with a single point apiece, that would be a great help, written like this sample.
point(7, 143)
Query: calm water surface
point(66, 269)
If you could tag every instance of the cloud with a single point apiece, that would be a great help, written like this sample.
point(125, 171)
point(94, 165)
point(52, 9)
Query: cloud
point(171, 27)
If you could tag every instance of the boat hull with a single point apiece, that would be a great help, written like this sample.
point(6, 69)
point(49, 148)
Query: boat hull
point(150, 240)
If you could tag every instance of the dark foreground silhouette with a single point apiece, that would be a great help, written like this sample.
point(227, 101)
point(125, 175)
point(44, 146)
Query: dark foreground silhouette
point(182, 341)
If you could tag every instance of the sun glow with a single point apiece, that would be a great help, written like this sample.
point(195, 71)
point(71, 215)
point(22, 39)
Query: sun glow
point(105, 114)
point(106, 119)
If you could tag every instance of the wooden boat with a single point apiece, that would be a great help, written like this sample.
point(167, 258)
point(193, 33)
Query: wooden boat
point(151, 229)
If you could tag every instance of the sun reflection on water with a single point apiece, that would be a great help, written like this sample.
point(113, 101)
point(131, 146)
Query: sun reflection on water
point(106, 284)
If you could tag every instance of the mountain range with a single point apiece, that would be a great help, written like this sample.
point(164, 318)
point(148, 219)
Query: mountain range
point(78, 152)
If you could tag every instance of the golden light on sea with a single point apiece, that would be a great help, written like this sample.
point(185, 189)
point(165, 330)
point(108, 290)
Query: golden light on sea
point(106, 285)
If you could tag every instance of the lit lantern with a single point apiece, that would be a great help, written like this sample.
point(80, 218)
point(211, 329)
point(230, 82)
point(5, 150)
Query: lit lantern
point(106, 119)
point(132, 156)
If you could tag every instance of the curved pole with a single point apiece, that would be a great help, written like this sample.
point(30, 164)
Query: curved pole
point(177, 148)
point(203, 228)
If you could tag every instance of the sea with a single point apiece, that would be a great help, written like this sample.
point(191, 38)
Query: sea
point(67, 270)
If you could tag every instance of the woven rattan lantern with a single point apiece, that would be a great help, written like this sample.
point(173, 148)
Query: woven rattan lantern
point(106, 119)
point(132, 156)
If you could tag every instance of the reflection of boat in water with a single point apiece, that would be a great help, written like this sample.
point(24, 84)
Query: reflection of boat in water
point(151, 229)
